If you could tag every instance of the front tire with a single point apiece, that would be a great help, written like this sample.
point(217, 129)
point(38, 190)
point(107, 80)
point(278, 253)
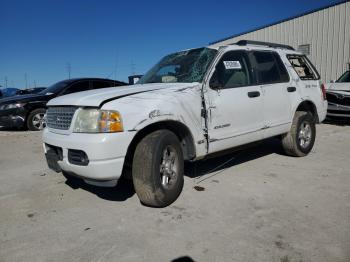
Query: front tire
point(301, 137)
point(158, 168)
point(36, 119)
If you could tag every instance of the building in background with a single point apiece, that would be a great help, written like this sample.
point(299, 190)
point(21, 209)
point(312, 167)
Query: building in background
point(322, 34)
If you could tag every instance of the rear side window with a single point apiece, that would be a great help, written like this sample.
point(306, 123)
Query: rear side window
point(270, 68)
point(303, 67)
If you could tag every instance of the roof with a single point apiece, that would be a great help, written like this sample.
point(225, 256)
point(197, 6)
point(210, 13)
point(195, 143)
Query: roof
point(91, 78)
point(281, 21)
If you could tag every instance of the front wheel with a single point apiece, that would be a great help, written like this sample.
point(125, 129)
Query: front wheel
point(301, 137)
point(158, 168)
point(36, 119)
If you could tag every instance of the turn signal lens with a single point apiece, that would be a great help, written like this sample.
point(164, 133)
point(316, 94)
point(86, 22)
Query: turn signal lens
point(110, 121)
point(98, 121)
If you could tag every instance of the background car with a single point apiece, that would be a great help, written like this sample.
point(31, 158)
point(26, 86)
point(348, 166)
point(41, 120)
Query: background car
point(28, 111)
point(7, 92)
point(338, 96)
point(27, 91)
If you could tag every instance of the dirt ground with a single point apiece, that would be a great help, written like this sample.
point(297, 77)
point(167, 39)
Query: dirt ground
point(254, 205)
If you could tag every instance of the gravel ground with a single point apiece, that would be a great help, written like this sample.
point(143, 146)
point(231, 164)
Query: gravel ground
point(258, 206)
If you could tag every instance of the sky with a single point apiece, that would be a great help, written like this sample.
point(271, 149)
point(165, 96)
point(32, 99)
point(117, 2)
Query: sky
point(41, 41)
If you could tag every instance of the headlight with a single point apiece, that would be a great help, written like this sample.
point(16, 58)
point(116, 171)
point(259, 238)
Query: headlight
point(11, 106)
point(97, 121)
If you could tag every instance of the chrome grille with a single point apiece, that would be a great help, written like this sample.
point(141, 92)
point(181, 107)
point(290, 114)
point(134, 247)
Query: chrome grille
point(60, 117)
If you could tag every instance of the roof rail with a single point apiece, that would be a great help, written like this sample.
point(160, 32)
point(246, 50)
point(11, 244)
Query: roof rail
point(274, 45)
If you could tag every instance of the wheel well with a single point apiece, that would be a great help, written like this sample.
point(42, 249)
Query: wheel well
point(180, 130)
point(308, 106)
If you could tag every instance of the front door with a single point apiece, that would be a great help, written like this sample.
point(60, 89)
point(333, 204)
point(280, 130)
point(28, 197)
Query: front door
point(234, 103)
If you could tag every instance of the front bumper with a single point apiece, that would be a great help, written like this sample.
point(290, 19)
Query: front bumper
point(335, 110)
point(12, 118)
point(105, 152)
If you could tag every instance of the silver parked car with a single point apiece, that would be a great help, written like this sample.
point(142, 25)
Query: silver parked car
point(338, 96)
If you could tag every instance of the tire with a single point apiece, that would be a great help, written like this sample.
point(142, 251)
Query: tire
point(158, 168)
point(300, 139)
point(36, 120)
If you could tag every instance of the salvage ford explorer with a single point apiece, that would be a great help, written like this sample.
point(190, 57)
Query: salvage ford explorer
point(188, 106)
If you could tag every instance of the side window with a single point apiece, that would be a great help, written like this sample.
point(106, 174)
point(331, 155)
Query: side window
point(77, 87)
point(233, 70)
point(101, 84)
point(345, 78)
point(270, 68)
point(303, 67)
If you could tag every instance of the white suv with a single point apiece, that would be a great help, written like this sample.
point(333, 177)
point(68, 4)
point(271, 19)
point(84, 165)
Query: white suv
point(188, 106)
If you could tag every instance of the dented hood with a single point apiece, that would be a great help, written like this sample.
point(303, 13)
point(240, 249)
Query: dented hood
point(96, 98)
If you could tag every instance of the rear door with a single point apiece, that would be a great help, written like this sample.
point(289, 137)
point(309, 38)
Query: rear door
point(234, 102)
point(276, 89)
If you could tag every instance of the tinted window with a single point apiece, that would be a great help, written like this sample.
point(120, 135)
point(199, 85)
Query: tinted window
point(77, 87)
point(57, 87)
point(270, 68)
point(233, 70)
point(101, 84)
point(345, 78)
point(303, 67)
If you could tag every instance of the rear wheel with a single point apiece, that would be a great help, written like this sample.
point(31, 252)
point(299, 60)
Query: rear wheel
point(301, 137)
point(36, 119)
point(158, 167)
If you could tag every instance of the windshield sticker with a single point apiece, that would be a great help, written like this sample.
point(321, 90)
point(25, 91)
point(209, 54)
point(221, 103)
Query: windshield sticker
point(232, 65)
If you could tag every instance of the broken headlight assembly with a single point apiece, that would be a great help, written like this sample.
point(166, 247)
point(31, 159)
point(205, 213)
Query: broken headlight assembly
point(97, 121)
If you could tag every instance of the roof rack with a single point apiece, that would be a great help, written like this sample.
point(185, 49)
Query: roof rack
point(274, 45)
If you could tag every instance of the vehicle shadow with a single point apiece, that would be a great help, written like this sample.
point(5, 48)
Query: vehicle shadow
point(337, 121)
point(194, 170)
point(121, 192)
point(8, 129)
point(218, 164)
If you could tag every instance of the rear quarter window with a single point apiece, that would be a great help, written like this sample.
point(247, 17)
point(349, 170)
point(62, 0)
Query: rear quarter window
point(303, 67)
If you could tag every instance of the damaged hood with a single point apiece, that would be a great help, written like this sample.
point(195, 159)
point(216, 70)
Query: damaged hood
point(338, 87)
point(96, 98)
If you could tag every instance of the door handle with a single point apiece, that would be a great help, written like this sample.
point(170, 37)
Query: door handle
point(291, 89)
point(253, 94)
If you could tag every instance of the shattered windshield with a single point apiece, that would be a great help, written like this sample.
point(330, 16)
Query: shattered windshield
point(182, 67)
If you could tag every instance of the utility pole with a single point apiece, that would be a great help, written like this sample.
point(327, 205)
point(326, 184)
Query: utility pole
point(69, 68)
point(26, 80)
point(34, 83)
point(6, 81)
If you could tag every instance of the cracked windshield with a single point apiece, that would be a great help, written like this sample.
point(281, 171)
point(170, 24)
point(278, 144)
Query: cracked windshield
point(182, 67)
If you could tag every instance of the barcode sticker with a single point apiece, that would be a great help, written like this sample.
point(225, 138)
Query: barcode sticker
point(232, 65)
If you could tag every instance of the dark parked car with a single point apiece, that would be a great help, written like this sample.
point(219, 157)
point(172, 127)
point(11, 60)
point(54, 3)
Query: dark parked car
point(7, 92)
point(27, 91)
point(28, 111)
